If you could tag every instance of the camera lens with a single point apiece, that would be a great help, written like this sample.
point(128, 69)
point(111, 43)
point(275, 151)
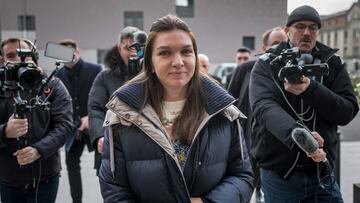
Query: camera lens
point(29, 78)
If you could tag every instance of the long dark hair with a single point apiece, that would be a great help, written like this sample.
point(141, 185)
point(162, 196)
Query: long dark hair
point(186, 124)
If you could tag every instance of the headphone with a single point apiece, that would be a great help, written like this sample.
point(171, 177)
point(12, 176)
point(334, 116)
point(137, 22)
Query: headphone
point(35, 54)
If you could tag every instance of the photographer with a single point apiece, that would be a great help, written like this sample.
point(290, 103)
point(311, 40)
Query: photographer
point(78, 77)
point(29, 145)
point(117, 72)
point(319, 103)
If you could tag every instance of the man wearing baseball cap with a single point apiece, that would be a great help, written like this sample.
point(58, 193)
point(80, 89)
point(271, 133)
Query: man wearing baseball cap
point(310, 107)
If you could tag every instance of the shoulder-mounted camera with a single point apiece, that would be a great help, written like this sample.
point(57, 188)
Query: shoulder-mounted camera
point(294, 65)
point(21, 75)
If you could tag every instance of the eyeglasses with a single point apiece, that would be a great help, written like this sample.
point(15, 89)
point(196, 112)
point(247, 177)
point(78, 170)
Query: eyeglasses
point(313, 28)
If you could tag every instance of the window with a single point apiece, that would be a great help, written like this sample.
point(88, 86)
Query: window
point(249, 42)
point(335, 39)
point(345, 52)
point(345, 36)
point(356, 53)
point(26, 22)
point(134, 18)
point(184, 8)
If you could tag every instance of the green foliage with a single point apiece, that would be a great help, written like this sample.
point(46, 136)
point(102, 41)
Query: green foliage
point(355, 79)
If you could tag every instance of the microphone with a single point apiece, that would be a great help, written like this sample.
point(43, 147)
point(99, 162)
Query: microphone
point(305, 59)
point(305, 140)
point(140, 37)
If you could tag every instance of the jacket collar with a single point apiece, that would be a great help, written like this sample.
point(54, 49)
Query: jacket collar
point(71, 72)
point(323, 52)
point(217, 98)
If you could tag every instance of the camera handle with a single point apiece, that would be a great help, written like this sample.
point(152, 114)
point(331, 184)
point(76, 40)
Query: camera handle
point(20, 112)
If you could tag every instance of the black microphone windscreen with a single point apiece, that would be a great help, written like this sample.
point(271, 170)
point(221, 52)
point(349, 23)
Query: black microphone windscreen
point(304, 139)
point(140, 37)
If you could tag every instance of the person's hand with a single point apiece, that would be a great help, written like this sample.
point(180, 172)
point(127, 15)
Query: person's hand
point(319, 155)
point(297, 88)
point(100, 144)
point(196, 200)
point(318, 138)
point(16, 128)
point(41, 70)
point(26, 155)
point(84, 123)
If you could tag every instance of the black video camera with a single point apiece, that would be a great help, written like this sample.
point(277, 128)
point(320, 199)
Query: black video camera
point(21, 75)
point(294, 65)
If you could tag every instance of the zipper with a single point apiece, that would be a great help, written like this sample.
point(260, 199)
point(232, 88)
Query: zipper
point(201, 126)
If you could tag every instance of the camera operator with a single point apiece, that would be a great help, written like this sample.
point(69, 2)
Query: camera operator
point(319, 103)
point(29, 145)
point(117, 72)
point(78, 77)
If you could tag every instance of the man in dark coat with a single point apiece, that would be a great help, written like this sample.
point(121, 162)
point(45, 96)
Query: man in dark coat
point(30, 138)
point(314, 105)
point(78, 77)
point(116, 74)
point(239, 88)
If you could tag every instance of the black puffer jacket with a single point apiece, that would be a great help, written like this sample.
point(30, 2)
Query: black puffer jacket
point(146, 170)
point(48, 130)
point(105, 83)
point(325, 105)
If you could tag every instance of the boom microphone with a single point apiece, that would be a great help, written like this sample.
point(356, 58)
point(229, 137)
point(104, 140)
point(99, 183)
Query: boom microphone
point(305, 140)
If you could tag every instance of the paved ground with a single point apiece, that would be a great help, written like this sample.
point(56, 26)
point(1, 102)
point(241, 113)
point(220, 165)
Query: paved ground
point(349, 170)
point(91, 188)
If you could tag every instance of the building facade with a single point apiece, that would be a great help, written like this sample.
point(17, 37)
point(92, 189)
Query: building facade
point(342, 30)
point(220, 27)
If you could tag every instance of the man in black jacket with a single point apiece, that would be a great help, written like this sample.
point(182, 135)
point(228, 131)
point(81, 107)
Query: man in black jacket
point(30, 138)
point(239, 88)
point(117, 72)
point(78, 77)
point(319, 103)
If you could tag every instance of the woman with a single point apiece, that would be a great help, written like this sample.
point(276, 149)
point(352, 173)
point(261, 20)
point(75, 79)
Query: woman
point(173, 134)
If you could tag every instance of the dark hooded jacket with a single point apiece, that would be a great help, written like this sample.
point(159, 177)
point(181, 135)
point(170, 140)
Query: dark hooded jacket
point(139, 163)
point(105, 83)
point(48, 129)
point(329, 101)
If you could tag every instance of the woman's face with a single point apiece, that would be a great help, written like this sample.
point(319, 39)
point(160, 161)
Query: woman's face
point(173, 62)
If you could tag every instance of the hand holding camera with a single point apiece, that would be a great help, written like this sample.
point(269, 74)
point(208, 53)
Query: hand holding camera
point(16, 128)
point(297, 88)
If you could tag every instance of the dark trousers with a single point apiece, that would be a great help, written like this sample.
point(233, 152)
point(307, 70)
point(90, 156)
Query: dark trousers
point(45, 193)
point(72, 158)
point(299, 188)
